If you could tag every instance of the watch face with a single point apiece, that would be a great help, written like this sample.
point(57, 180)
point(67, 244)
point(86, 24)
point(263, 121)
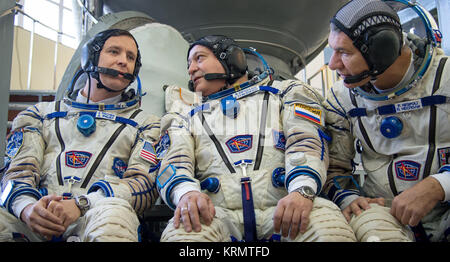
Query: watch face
point(308, 190)
point(83, 201)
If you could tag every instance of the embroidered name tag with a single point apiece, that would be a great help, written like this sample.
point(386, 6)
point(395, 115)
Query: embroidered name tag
point(239, 144)
point(104, 115)
point(308, 112)
point(408, 106)
point(77, 159)
point(246, 92)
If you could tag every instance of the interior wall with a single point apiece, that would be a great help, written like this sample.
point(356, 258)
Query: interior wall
point(43, 70)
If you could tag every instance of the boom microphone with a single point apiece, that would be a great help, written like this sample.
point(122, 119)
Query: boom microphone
point(114, 72)
point(215, 76)
point(357, 78)
point(209, 77)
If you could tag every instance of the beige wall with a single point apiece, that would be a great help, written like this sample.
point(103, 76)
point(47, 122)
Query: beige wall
point(313, 67)
point(42, 71)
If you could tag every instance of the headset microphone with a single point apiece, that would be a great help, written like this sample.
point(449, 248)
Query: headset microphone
point(357, 78)
point(215, 76)
point(114, 73)
point(209, 77)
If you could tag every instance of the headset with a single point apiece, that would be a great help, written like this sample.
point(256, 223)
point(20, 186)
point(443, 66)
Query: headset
point(380, 47)
point(378, 42)
point(378, 36)
point(90, 54)
point(392, 126)
point(229, 54)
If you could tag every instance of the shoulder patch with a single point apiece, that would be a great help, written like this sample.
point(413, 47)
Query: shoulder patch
point(239, 144)
point(119, 167)
point(279, 140)
point(148, 153)
point(308, 112)
point(14, 143)
point(163, 146)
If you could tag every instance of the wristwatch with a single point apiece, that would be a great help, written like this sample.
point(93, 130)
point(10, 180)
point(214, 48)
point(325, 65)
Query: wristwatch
point(306, 192)
point(83, 204)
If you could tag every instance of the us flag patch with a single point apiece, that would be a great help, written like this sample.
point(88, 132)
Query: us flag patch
point(148, 153)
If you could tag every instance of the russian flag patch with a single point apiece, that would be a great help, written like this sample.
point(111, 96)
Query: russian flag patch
point(308, 112)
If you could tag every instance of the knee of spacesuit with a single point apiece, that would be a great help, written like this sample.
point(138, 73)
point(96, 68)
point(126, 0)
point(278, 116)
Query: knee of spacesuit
point(111, 220)
point(215, 232)
point(5, 234)
point(377, 224)
point(327, 224)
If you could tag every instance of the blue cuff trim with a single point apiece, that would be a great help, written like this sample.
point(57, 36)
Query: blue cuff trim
point(176, 181)
point(21, 191)
point(444, 168)
point(337, 193)
point(340, 196)
point(104, 186)
point(304, 171)
point(43, 191)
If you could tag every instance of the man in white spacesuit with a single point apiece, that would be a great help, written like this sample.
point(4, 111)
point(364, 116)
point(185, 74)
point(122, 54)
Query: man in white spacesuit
point(394, 100)
point(247, 162)
point(82, 168)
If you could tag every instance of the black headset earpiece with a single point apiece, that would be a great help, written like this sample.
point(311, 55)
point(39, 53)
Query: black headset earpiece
point(236, 60)
point(229, 54)
point(90, 53)
point(380, 46)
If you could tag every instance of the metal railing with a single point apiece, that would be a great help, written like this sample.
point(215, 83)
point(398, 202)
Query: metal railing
point(20, 105)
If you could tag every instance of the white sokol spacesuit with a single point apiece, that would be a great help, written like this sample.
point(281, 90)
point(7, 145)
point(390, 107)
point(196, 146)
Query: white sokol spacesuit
point(247, 157)
point(402, 139)
point(101, 150)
